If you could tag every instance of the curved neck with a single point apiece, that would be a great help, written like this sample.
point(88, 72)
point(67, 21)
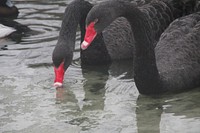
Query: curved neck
point(74, 14)
point(146, 74)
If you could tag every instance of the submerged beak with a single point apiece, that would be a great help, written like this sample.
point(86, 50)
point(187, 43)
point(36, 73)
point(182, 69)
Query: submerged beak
point(89, 36)
point(59, 75)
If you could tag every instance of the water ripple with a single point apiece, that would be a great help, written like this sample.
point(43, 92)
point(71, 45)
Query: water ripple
point(93, 99)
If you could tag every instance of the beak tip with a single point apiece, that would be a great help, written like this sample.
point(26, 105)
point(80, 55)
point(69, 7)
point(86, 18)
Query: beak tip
point(57, 84)
point(84, 45)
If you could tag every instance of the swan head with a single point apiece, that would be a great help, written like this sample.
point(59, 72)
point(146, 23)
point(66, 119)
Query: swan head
point(62, 58)
point(59, 74)
point(99, 17)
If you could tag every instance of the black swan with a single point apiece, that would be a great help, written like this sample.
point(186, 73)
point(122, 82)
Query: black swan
point(173, 65)
point(75, 14)
point(7, 10)
point(7, 25)
point(115, 42)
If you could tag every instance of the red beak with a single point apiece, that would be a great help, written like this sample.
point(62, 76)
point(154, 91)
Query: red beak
point(89, 36)
point(59, 75)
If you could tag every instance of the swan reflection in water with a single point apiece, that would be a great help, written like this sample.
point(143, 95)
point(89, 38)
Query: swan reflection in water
point(169, 113)
point(113, 103)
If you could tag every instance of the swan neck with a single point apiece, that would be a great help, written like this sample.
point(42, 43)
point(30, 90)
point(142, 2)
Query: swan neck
point(69, 24)
point(65, 46)
point(146, 74)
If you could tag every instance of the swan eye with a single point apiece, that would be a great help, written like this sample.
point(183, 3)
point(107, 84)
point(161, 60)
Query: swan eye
point(95, 21)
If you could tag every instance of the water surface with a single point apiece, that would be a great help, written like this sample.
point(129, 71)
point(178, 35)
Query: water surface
point(94, 100)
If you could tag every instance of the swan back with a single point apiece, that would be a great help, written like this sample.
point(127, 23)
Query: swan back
point(178, 53)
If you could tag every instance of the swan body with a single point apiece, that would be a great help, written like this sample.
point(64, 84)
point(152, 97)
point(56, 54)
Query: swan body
point(178, 53)
point(170, 66)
